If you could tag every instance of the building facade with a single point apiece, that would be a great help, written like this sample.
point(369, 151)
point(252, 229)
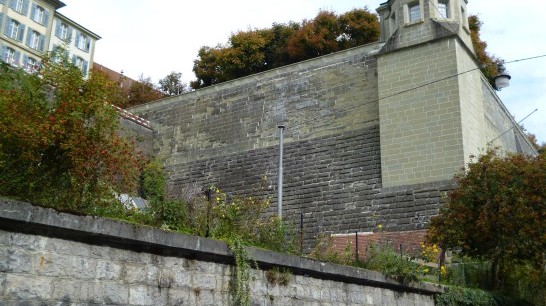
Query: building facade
point(373, 136)
point(31, 28)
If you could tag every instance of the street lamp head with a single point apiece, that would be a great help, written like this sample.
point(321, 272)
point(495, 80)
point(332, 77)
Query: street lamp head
point(502, 80)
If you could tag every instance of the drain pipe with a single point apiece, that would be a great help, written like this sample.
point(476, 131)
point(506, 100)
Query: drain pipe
point(279, 185)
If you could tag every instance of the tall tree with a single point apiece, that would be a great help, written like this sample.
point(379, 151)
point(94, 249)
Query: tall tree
point(143, 91)
point(254, 51)
point(497, 213)
point(315, 38)
point(358, 27)
point(172, 84)
point(58, 138)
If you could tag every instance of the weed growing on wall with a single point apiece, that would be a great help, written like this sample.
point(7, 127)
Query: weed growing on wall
point(241, 277)
point(279, 276)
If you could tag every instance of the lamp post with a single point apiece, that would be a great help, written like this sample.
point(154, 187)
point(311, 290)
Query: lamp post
point(279, 187)
point(502, 80)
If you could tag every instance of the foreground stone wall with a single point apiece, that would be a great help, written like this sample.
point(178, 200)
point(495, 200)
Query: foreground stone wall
point(51, 258)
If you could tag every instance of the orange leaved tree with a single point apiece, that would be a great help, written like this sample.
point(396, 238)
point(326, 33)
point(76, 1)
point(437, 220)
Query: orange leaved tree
point(58, 141)
point(497, 213)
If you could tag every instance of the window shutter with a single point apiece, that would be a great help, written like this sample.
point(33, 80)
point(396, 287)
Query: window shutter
point(21, 32)
point(17, 57)
point(77, 38)
point(25, 7)
point(74, 59)
point(3, 52)
point(88, 46)
point(29, 35)
point(25, 59)
point(1, 18)
point(12, 4)
point(33, 11)
point(69, 35)
point(46, 17)
point(7, 27)
point(85, 64)
point(58, 29)
point(42, 43)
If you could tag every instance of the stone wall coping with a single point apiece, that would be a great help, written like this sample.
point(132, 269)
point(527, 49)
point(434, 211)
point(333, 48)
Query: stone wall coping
point(23, 217)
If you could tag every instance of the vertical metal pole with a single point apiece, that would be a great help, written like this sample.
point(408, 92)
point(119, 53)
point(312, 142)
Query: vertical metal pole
point(279, 187)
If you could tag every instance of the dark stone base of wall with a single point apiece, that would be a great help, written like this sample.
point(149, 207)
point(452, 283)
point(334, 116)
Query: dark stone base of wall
point(333, 181)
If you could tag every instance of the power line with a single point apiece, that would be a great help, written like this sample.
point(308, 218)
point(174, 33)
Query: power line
point(288, 127)
point(513, 126)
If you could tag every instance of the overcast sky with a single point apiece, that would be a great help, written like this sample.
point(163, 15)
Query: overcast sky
point(155, 37)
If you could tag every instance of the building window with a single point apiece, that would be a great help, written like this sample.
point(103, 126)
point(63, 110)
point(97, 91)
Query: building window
point(31, 65)
point(80, 63)
point(83, 42)
point(63, 31)
point(38, 14)
point(465, 19)
point(63, 34)
point(414, 10)
point(443, 8)
point(10, 56)
point(13, 31)
point(34, 40)
point(18, 5)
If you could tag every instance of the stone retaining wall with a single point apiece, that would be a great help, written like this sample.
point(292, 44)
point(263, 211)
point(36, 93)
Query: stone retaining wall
point(51, 258)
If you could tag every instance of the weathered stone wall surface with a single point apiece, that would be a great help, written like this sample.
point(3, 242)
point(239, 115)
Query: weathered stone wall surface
point(500, 128)
point(325, 96)
point(420, 117)
point(142, 136)
point(51, 258)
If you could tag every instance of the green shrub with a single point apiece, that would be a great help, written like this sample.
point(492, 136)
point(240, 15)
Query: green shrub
point(458, 296)
point(385, 259)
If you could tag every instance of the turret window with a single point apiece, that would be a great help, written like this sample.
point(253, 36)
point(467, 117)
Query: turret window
point(443, 8)
point(414, 10)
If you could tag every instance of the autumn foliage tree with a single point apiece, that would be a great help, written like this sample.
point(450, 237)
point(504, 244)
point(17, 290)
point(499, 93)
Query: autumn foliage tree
point(258, 50)
point(58, 141)
point(497, 213)
point(172, 84)
point(488, 63)
point(142, 91)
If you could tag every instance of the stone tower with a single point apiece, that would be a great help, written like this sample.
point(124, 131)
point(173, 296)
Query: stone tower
point(431, 107)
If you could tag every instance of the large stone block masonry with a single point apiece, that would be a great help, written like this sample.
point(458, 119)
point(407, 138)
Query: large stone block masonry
point(51, 258)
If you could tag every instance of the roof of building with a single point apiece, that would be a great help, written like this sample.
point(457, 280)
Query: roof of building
point(123, 80)
point(58, 4)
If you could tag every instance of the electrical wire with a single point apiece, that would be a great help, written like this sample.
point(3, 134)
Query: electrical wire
point(513, 126)
point(288, 127)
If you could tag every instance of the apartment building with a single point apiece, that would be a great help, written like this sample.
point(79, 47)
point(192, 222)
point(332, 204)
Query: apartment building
point(31, 28)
